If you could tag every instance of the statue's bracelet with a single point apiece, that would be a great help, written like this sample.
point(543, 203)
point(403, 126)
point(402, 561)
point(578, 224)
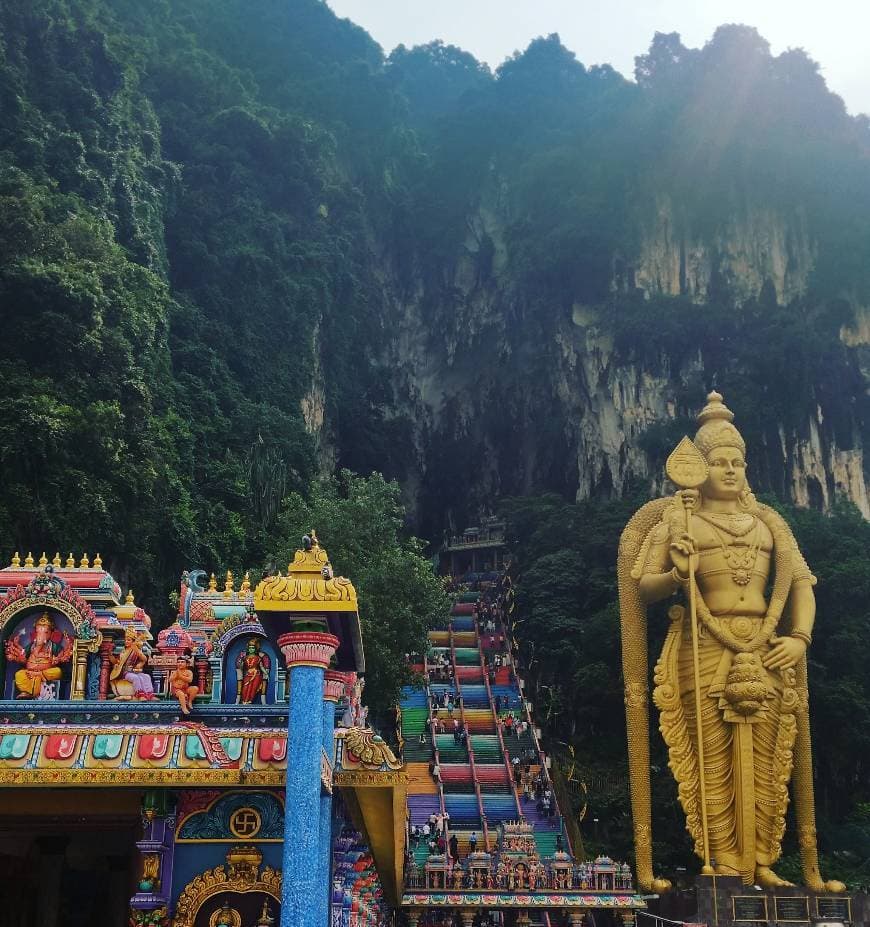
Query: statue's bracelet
point(802, 636)
point(679, 578)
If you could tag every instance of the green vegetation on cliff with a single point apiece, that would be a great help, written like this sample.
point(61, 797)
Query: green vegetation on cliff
point(218, 221)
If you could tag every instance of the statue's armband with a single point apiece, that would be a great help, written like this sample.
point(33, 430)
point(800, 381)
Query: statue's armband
point(653, 556)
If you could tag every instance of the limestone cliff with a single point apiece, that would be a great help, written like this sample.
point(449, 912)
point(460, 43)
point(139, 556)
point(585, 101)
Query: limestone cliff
point(754, 245)
point(539, 397)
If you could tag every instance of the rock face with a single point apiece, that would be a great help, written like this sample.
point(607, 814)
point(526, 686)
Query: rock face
point(509, 396)
point(755, 245)
point(820, 472)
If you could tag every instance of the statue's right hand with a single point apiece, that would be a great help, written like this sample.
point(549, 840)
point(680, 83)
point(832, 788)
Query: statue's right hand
point(682, 552)
point(689, 497)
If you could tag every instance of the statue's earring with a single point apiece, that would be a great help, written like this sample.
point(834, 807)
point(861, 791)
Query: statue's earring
point(746, 501)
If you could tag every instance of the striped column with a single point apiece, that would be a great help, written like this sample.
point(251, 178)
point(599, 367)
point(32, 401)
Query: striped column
point(334, 684)
point(307, 654)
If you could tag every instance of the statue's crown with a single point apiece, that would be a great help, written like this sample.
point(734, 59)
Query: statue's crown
point(715, 409)
point(44, 621)
point(716, 428)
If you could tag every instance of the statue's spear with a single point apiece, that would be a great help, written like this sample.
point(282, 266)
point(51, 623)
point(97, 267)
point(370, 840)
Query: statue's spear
point(687, 469)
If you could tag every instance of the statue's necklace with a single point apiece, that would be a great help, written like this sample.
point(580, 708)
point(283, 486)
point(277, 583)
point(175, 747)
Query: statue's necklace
point(741, 559)
point(737, 524)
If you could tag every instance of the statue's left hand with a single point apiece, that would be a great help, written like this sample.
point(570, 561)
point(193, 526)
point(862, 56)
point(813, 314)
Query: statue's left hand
point(785, 653)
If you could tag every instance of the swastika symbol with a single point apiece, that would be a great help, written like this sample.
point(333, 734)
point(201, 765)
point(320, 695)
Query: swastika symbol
point(245, 823)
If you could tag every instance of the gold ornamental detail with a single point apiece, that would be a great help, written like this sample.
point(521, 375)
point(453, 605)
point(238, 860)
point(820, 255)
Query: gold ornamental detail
point(242, 873)
point(363, 748)
point(308, 586)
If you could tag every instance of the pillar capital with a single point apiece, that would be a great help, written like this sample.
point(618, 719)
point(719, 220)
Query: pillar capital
point(334, 685)
point(308, 648)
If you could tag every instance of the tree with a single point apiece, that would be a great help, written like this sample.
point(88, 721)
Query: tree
point(360, 523)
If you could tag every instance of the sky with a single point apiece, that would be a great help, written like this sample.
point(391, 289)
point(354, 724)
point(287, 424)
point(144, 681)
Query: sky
point(833, 32)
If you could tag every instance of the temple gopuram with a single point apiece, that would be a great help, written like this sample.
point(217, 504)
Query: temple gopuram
point(220, 772)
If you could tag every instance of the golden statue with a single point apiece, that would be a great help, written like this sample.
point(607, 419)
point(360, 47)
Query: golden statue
point(731, 681)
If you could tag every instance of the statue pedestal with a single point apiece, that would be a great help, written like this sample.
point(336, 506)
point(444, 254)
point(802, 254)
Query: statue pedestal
point(726, 901)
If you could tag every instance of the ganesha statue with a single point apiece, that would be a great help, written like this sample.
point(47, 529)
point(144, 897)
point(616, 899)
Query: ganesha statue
point(41, 657)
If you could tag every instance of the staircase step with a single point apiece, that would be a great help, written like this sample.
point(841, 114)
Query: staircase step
point(499, 808)
point(491, 776)
point(452, 773)
point(486, 748)
point(462, 838)
point(419, 780)
point(462, 623)
point(449, 751)
point(416, 752)
point(420, 807)
point(463, 810)
point(467, 656)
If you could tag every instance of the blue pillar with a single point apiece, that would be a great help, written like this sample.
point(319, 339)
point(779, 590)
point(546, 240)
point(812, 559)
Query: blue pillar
point(307, 654)
point(334, 685)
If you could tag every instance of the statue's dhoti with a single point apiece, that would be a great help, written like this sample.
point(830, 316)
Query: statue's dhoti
point(29, 682)
point(748, 726)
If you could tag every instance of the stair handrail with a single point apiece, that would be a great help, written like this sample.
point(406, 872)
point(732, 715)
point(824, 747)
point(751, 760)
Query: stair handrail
point(435, 753)
point(504, 754)
point(535, 740)
point(468, 745)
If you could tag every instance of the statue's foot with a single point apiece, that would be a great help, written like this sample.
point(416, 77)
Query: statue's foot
point(646, 882)
point(834, 886)
point(767, 878)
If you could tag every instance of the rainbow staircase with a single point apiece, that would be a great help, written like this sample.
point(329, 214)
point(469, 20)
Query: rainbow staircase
point(476, 787)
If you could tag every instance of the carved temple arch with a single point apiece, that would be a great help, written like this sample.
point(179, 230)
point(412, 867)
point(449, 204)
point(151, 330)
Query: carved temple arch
point(241, 874)
point(86, 633)
point(224, 635)
point(48, 592)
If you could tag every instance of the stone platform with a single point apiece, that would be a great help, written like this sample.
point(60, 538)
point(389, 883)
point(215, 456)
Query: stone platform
point(724, 901)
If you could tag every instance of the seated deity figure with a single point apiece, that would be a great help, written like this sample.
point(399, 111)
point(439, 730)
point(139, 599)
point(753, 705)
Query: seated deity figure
point(181, 684)
point(265, 919)
point(42, 657)
point(252, 674)
point(128, 678)
point(755, 606)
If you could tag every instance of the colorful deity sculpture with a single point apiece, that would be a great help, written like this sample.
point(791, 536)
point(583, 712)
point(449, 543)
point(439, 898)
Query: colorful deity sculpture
point(225, 916)
point(252, 673)
point(181, 684)
point(128, 678)
point(42, 657)
point(265, 919)
point(731, 682)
